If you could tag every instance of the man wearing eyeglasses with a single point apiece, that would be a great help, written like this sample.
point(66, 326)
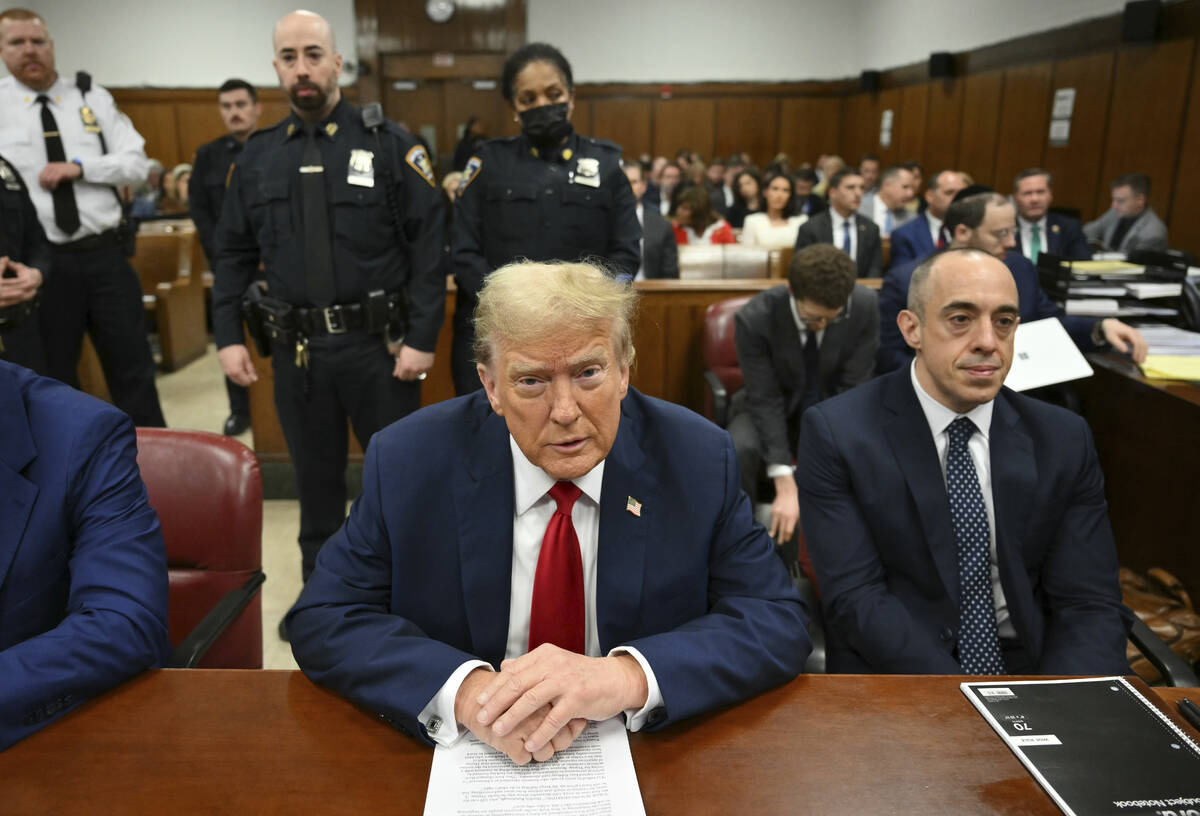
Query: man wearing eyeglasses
point(797, 344)
point(980, 218)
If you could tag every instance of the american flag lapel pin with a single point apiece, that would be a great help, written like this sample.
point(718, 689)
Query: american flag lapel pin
point(634, 506)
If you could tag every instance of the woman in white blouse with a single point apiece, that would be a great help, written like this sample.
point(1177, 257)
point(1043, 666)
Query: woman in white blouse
point(776, 227)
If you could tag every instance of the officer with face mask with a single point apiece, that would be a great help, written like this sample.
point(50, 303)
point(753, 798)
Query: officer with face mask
point(548, 194)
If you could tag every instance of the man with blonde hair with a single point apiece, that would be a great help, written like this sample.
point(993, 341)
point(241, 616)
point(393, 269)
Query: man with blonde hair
point(589, 542)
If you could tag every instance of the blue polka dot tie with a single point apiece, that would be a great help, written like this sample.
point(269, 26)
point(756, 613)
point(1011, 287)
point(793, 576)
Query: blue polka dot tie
point(978, 641)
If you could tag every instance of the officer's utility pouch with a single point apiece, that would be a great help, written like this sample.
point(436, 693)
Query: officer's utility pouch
point(376, 312)
point(268, 319)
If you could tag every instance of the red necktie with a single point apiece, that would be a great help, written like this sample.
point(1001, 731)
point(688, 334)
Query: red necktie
point(556, 614)
point(941, 238)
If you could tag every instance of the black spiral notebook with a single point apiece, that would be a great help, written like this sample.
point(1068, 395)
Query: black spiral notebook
point(1095, 744)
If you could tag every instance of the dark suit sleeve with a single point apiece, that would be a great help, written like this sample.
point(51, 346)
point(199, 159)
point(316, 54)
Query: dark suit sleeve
point(876, 268)
point(201, 206)
point(754, 635)
point(806, 235)
point(903, 249)
point(624, 231)
point(1086, 623)
point(237, 261)
point(35, 249)
point(893, 296)
point(467, 258)
point(344, 634)
point(1074, 244)
point(424, 228)
point(854, 593)
point(764, 398)
point(864, 341)
point(116, 621)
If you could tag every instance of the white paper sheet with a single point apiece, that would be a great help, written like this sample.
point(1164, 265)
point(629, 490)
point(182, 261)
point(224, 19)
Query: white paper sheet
point(1044, 354)
point(594, 777)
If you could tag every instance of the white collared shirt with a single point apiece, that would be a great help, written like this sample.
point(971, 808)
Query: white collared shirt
point(939, 418)
point(22, 142)
point(836, 219)
point(532, 510)
point(879, 216)
point(641, 273)
point(935, 228)
point(1027, 236)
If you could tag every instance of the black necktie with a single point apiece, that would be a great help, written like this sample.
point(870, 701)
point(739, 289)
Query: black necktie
point(318, 262)
point(66, 211)
point(812, 371)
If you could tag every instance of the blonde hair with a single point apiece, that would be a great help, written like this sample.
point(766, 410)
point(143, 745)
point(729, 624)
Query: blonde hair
point(526, 302)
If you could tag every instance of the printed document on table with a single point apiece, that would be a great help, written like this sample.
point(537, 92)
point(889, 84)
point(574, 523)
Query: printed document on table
point(594, 777)
point(1044, 354)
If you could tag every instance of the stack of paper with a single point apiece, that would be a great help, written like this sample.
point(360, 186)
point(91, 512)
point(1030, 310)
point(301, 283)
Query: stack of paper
point(1106, 267)
point(1145, 289)
point(1093, 307)
point(1168, 340)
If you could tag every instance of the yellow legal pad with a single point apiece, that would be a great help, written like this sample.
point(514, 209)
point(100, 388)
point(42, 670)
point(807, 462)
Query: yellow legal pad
point(1106, 268)
point(1168, 367)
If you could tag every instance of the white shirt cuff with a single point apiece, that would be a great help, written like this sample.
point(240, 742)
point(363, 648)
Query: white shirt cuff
point(438, 714)
point(636, 718)
point(775, 471)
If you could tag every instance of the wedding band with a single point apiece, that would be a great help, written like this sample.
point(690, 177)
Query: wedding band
point(422, 375)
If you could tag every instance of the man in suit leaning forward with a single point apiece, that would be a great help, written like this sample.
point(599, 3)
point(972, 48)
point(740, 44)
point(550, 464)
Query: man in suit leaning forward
point(842, 226)
point(955, 526)
point(797, 344)
point(649, 591)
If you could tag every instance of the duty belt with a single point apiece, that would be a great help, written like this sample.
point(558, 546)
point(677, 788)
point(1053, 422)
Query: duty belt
point(337, 319)
point(90, 243)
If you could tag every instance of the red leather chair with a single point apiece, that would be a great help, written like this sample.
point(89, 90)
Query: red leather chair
point(722, 373)
point(207, 491)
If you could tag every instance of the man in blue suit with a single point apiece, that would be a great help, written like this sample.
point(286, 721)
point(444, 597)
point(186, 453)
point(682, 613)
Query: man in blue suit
point(83, 572)
point(1038, 229)
point(981, 219)
point(649, 590)
point(956, 526)
point(925, 234)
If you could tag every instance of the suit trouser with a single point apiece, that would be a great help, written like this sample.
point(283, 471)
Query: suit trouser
point(349, 377)
point(23, 345)
point(97, 291)
point(462, 349)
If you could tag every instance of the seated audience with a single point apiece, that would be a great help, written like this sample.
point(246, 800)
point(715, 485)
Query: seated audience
point(917, 202)
point(868, 168)
point(806, 201)
point(797, 344)
point(827, 165)
point(83, 572)
point(695, 222)
point(748, 197)
point(1040, 230)
point(842, 226)
point(982, 219)
point(668, 179)
point(1131, 224)
point(775, 227)
point(181, 177)
point(955, 526)
point(922, 236)
point(660, 255)
point(888, 206)
point(594, 539)
point(714, 177)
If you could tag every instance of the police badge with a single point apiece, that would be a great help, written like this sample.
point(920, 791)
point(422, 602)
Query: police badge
point(89, 120)
point(362, 168)
point(587, 171)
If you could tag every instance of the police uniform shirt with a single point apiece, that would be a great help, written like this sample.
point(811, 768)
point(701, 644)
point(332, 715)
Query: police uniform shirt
point(262, 218)
point(573, 204)
point(22, 142)
point(22, 238)
point(206, 190)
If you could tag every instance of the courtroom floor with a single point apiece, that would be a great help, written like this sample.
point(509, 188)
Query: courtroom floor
point(194, 397)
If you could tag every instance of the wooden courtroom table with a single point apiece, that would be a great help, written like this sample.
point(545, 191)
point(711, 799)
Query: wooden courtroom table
point(223, 741)
point(1148, 441)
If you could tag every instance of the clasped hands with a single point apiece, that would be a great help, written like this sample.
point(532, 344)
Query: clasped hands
point(537, 704)
point(18, 282)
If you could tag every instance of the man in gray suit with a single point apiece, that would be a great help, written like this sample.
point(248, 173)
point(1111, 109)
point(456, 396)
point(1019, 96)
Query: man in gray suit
point(840, 225)
point(660, 255)
point(1131, 224)
point(797, 345)
point(888, 206)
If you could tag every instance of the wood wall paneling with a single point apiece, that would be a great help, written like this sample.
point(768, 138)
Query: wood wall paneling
point(1146, 118)
point(860, 129)
point(749, 124)
point(943, 126)
point(684, 123)
point(1076, 165)
point(1184, 226)
point(624, 121)
point(980, 120)
point(403, 27)
point(910, 124)
point(158, 126)
point(810, 126)
point(1024, 121)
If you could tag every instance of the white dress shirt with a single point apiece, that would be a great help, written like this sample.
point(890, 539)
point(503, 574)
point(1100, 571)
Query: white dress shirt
point(935, 228)
point(22, 143)
point(532, 510)
point(939, 418)
point(839, 231)
point(664, 202)
point(1027, 236)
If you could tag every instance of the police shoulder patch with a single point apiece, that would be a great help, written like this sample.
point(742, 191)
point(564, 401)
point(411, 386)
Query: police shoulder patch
point(469, 173)
point(418, 160)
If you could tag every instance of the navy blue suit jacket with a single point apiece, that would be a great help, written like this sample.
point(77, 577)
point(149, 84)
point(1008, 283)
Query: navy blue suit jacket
point(877, 523)
point(912, 242)
point(83, 571)
point(417, 580)
point(1064, 238)
point(1034, 304)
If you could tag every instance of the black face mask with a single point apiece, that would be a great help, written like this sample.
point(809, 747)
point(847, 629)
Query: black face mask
point(546, 126)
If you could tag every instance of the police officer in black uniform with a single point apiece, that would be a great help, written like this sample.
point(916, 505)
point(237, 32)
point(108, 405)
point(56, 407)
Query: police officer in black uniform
point(240, 110)
point(548, 194)
point(24, 254)
point(348, 221)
